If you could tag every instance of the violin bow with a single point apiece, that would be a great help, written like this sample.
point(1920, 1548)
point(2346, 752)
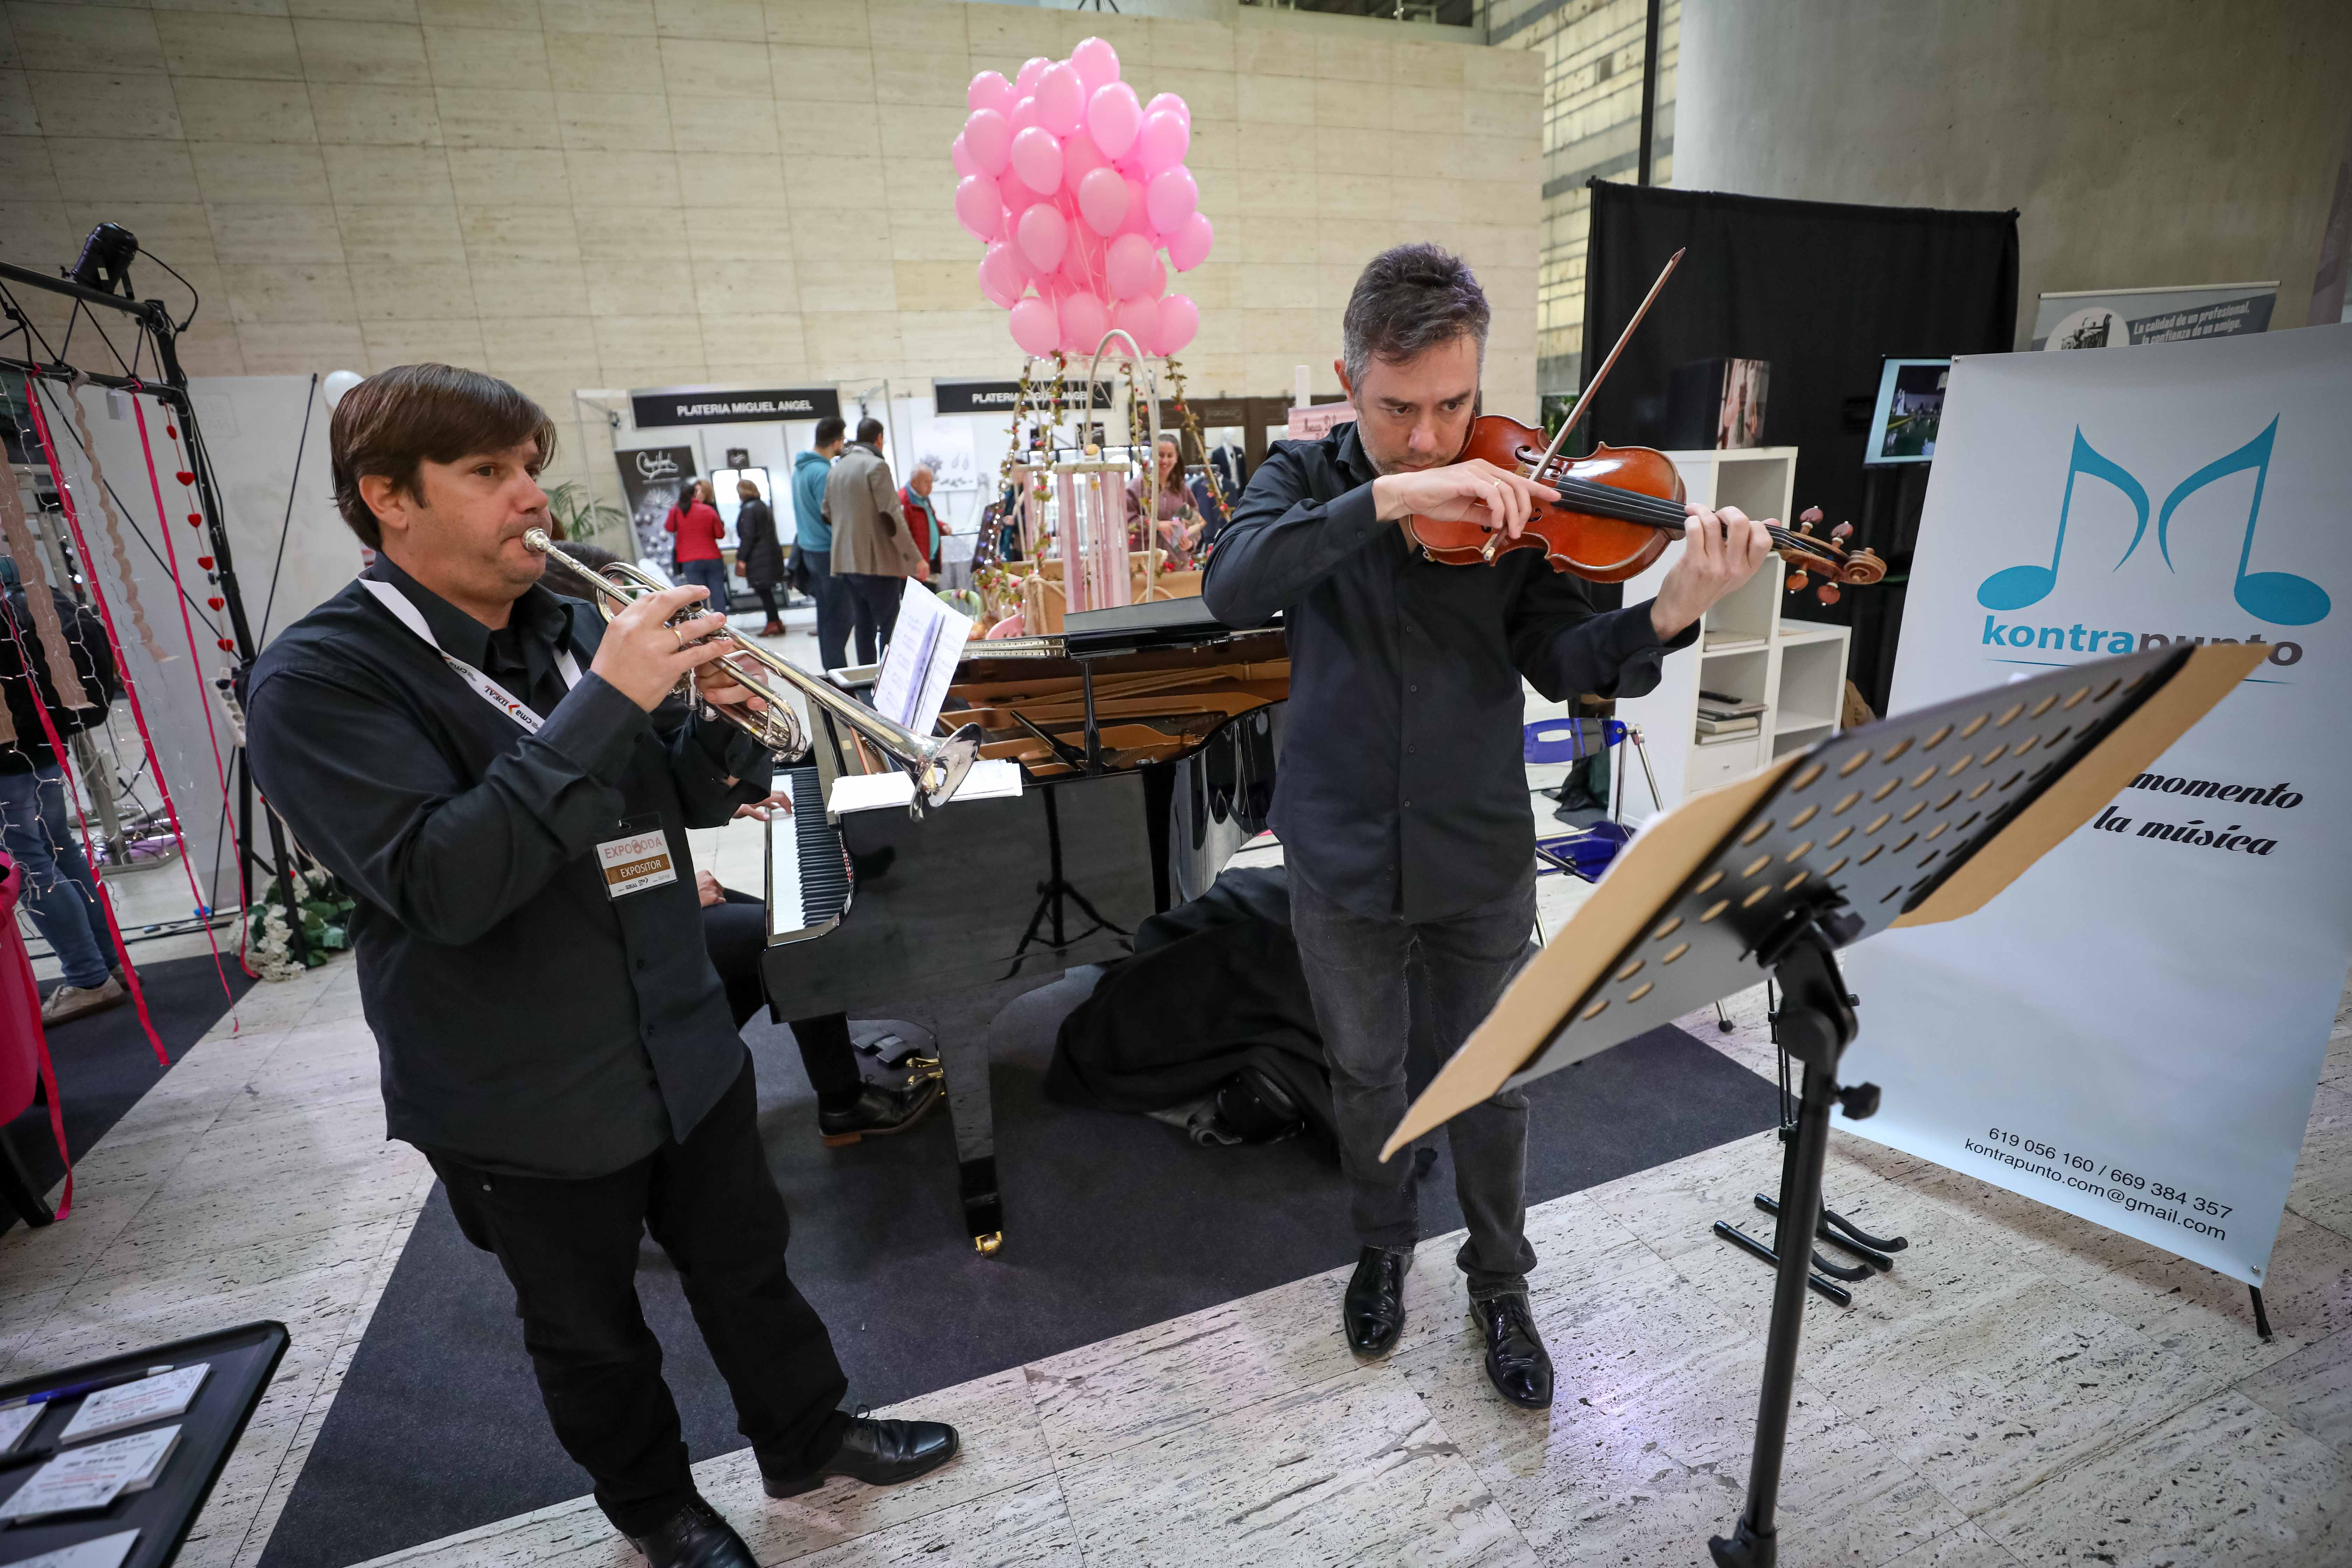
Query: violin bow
point(1584, 399)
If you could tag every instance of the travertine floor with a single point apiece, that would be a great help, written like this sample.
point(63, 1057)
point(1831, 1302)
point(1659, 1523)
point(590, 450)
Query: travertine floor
point(2024, 1388)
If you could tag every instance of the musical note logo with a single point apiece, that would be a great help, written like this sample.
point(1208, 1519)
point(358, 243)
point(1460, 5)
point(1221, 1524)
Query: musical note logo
point(2014, 587)
point(2282, 598)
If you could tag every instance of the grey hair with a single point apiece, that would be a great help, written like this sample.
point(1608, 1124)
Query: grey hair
point(1410, 298)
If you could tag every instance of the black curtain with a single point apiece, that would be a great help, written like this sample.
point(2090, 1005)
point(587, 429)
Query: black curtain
point(1823, 291)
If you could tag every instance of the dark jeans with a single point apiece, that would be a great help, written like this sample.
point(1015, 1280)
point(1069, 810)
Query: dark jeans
point(767, 593)
point(569, 1249)
point(710, 574)
point(874, 604)
point(833, 612)
point(736, 933)
point(1356, 974)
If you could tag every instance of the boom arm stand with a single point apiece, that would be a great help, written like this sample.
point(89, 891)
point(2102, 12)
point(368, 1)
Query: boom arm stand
point(1816, 1025)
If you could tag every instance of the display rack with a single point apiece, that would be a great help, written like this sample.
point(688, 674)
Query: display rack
point(1751, 646)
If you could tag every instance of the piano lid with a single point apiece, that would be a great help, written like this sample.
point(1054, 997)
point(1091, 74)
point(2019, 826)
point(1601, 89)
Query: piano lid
point(1138, 628)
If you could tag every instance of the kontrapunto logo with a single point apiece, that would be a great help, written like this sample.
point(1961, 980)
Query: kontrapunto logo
point(2281, 598)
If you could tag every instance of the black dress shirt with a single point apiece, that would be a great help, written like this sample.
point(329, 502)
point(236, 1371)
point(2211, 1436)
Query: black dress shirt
point(525, 1021)
point(1401, 791)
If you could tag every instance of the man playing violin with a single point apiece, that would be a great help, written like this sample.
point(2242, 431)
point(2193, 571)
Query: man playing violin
point(1403, 800)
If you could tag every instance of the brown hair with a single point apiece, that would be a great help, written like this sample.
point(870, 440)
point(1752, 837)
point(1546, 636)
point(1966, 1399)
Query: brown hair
point(747, 489)
point(1407, 300)
point(394, 422)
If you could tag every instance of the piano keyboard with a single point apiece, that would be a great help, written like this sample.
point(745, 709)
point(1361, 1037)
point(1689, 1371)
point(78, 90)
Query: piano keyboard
point(808, 875)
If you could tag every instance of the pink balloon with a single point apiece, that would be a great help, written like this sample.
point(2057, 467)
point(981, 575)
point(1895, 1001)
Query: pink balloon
point(1021, 115)
point(1103, 201)
point(1170, 198)
point(960, 156)
point(1137, 220)
point(1080, 157)
point(1179, 319)
point(1044, 235)
point(1061, 99)
point(1096, 63)
point(1026, 83)
point(1162, 142)
point(1173, 104)
point(1002, 277)
point(1113, 118)
point(978, 208)
point(989, 90)
point(1037, 159)
point(988, 138)
point(1084, 318)
point(1082, 264)
point(1127, 265)
point(1188, 247)
point(1035, 326)
point(1139, 320)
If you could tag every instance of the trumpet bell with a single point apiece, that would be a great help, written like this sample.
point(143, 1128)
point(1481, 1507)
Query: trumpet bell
point(941, 775)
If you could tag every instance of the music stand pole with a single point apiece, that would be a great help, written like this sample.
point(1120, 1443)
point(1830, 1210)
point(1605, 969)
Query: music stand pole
point(1817, 1023)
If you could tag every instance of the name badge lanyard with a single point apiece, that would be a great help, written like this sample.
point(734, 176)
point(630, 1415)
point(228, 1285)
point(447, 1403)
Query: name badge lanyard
point(489, 690)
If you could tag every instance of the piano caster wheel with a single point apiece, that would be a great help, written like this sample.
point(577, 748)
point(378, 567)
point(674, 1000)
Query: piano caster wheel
point(986, 1246)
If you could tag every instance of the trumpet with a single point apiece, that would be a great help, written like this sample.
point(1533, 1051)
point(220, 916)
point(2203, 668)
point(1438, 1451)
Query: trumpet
point(938, 762)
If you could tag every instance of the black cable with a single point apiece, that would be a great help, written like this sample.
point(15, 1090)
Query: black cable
point(293, 489)
point(195, 300)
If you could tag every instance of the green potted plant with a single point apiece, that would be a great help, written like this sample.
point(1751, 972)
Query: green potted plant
point(578, 515)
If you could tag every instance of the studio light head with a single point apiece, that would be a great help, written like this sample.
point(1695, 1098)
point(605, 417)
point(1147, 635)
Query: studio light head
point(105, 262)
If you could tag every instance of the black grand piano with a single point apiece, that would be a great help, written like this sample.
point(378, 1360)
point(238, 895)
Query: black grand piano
point(1146, 739)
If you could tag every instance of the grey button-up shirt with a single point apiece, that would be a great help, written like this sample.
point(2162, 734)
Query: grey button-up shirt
point(1402, 791)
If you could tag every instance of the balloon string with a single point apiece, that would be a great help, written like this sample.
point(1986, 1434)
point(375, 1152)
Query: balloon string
point(139, 717)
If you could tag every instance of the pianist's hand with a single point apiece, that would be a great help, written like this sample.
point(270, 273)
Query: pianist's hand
point(643, 659)
point(781, 801)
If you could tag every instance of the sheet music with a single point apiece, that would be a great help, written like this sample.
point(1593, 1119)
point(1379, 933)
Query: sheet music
point(990, 779)
point(921, 660)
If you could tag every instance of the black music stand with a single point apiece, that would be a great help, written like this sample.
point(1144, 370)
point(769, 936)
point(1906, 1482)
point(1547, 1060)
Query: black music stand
point(1911, 821)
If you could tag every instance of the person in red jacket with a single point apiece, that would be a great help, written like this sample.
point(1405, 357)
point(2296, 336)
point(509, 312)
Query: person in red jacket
point(695, 523)
point(922, 517)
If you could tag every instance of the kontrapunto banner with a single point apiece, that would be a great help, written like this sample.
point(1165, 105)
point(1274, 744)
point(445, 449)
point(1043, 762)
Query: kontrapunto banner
point(2133, 1032)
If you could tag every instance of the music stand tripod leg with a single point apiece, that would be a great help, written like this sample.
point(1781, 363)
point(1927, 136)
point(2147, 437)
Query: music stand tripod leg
point(1817, 1024)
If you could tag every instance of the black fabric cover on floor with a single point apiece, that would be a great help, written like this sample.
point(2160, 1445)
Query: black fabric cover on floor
point(1113, 1222)
point(104, 1062)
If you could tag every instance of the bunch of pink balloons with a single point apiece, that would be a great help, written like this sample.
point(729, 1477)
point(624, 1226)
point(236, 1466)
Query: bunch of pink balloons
point(1075, 186)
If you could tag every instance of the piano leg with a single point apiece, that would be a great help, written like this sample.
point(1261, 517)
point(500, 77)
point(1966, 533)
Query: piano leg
point(963, 1065)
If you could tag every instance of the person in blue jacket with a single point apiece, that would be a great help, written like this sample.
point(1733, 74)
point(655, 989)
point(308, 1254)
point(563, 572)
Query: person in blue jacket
point(813, 544)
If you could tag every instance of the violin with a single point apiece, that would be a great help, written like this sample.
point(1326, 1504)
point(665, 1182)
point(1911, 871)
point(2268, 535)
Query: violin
point(1616, 512)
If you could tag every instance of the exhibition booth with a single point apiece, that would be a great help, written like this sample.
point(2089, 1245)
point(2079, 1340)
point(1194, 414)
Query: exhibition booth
point(1758, 780)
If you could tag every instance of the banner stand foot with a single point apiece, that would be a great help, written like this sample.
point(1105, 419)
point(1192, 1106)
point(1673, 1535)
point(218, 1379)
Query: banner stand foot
point(2262, 1318)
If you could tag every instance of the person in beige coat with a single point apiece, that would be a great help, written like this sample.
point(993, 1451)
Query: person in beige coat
point(873, 553)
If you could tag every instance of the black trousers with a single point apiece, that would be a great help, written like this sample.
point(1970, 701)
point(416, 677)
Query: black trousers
point(874, 608)
point(736, 933)
point(569, 1250)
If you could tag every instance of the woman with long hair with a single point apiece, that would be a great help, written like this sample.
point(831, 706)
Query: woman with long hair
point(695, 523)
point(1178, 506)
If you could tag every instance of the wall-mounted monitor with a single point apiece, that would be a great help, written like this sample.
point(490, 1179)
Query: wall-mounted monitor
point(1910, 406)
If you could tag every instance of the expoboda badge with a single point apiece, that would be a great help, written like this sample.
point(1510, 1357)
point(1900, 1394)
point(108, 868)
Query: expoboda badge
point(634, 862)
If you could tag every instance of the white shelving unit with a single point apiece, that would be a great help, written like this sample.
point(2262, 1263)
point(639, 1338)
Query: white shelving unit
point(1749, 648)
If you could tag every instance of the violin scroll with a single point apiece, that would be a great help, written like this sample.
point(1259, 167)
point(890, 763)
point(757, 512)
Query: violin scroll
point(1809, 556)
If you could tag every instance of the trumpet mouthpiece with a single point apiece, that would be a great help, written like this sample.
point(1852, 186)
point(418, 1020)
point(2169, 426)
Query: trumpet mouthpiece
point(536, 541)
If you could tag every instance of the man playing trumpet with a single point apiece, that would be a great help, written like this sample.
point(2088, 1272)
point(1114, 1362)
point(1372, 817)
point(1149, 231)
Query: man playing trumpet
point(504, 784)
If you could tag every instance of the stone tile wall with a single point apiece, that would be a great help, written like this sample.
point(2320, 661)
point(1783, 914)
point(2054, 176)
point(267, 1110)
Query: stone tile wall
point(642, 192)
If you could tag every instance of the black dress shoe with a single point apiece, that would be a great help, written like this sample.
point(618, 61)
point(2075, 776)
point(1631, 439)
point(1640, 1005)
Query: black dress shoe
point(879, 1453)
point(694, 1537)
point(1516, 1363)
point(878, 1112)
point(1373, 1311)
